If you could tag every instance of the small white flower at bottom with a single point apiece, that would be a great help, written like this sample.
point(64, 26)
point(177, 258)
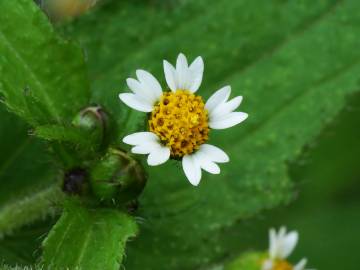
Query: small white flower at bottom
point(180, 121)
point(281, 246)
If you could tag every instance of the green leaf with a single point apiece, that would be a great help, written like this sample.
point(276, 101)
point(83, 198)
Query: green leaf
point(284, 57)
point(43, 77)
point(28, 176)
point(58, 133)
point(25, 195)
point(27, 192)
point(88, 239)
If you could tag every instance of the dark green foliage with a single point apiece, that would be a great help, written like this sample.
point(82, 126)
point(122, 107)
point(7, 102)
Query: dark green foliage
point(23, 248)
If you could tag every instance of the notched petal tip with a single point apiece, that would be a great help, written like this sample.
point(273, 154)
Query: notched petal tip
point(301, 265)
point(127, 139)
point(158, 156)
point(192, 170)
point(220, 96)
point(139, 138)
point(181, 55)
point(135, 102)
point(170, 75)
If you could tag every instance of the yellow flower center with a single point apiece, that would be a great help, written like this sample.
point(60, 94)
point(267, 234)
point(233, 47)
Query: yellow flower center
point(282, 265)
point(181, 122)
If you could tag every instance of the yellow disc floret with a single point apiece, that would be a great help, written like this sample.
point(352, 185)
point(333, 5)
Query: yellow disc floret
point(181, 122)
point(282, 265)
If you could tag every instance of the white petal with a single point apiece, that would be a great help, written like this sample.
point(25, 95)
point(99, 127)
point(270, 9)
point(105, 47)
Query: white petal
point(228, 120)
point(135, 102)
point(149, 83)
point(214, 153)
point(145, 148)
point(273, 243)
point(138, 90)
point(182, 73)
point(196, 73)
point(192, 169)
point(282, 233)
point(158, 156)
point(288, 244)
point(170, 75)
point(217, 98)
point(300, 265)
point(225, 108)
point(140, 138)
point(206, 163)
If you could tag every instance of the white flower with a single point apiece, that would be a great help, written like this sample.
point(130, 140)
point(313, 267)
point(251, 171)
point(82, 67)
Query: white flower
point(281, 246)
point(179, 121)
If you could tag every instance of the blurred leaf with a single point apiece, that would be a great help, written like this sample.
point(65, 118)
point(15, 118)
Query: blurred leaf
point(88, 239)
point(284, 57)
point(43, 78)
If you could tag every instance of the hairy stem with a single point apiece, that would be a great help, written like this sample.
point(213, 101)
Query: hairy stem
point(35, 206)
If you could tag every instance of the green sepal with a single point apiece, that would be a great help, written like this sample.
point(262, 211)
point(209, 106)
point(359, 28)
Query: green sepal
point(247, 261)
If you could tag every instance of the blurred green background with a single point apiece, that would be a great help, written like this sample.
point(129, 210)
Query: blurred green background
point(327, 205)
point(275, 53)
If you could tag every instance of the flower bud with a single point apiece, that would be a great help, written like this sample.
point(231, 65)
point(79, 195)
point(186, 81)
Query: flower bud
point(117, 178)
point(247, 261)
point(62, 9)
point(94, 121)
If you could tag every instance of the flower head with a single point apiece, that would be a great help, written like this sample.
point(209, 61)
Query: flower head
point(179, 120)
point(281, 246)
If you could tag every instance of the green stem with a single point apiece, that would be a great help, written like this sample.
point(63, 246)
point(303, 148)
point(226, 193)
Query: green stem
point(36, 206)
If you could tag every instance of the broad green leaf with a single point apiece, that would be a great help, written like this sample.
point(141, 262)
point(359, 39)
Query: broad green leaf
point(88, 239)
point(284, 57)
point(42, 77)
